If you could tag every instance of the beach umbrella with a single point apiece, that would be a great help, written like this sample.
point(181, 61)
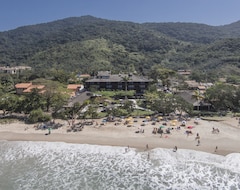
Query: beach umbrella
point(161, 126)
point(173, 122)
point(147, 117)
point(129, 118)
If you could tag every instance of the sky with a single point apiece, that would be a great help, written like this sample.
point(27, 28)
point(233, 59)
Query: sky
point(16, 13)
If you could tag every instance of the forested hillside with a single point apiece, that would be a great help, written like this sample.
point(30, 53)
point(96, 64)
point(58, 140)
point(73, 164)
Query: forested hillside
point(87, 44)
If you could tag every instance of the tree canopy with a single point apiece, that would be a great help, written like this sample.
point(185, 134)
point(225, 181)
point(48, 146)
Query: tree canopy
point(87, 44)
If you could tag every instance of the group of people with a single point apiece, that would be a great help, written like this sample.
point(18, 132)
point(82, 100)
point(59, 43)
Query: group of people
point(157, 130)
point(188, 132)
point(140, 130)
point(215, 130)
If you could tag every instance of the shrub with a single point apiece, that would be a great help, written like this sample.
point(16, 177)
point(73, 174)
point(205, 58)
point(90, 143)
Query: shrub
point(119, 112)
point(38, 116)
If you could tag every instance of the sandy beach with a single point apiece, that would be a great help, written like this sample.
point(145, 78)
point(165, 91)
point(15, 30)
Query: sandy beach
point(227, 140)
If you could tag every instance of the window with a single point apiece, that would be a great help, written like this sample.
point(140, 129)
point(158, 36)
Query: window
point(120, 86)
point(130, 86)
point(108, 86)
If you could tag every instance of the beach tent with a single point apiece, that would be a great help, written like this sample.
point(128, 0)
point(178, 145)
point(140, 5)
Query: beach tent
point(129, 118)
point(184, 123)
point(174, 122)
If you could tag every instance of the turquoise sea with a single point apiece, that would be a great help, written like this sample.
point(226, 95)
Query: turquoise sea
point(61, 166)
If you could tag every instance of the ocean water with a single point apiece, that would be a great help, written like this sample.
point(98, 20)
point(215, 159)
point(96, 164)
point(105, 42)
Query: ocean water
point(57, 165)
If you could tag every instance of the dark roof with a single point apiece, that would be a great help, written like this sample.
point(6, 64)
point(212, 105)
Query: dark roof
point(79, 98)
point(120, 78)
point(187, 96)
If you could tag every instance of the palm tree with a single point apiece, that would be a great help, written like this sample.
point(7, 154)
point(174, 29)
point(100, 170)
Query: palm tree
point(125, 80)
point(198, 96)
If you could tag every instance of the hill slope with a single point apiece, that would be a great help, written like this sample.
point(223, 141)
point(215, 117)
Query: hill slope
point(87, 44)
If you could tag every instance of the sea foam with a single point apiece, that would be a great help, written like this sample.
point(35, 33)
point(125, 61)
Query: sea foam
point(57, 165)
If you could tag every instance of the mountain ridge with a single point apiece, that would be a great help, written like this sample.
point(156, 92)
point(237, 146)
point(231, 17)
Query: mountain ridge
point(89, 18)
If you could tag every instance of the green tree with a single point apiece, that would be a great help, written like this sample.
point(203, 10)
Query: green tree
point(33, 101)
point(221, 96)
point(38, 116)
point(236, 101)
point(164, 74)
point(160, 102)
point(198, 96)
point(7, 83)
point(165, 103)
point(125, 80)
point(128, 106)
point(181, 105)
point(55, 96)
point(60, 76)
point(151, 97)
point(8, 103)
point(91, 111)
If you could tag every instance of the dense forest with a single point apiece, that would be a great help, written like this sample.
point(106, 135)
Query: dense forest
point(59, 50)
point(87, 44)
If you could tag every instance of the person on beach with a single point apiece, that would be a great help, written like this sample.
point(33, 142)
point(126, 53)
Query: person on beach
point(198, 144)
point(147, 147)
point(49, 130)
point(197, 136)
point(127, 149)
point(175, 149)
point(216, 148)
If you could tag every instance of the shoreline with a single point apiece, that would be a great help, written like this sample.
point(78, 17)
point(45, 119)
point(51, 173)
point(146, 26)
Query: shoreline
point(132, 143)
point(109, 134)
